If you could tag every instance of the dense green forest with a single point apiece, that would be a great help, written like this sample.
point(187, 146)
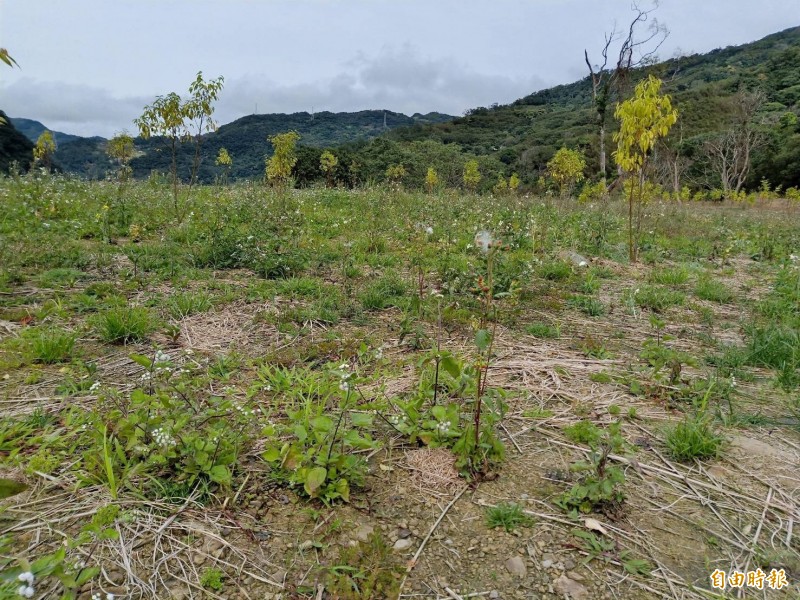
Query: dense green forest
point(525, 134)
point(520, 137)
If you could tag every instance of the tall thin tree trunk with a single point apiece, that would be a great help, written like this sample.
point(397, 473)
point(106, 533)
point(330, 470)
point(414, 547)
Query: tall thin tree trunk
point(603, 149)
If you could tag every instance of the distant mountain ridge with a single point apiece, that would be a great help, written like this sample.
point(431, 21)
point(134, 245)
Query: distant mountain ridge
point(245, 139)
point(33, 129)
point(519, 137)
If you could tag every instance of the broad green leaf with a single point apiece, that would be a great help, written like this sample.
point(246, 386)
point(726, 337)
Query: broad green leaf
point(361, 419)
point(300, 432)
point(451, 366)
point(314, 480)
point(321, 423)
point(220, 474)
point(142, 360)
point(343, 488)
point(271, 454)
point(439, 412)
point(482, 339)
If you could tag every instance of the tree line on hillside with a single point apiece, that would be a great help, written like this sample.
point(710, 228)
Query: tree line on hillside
point(738, 130)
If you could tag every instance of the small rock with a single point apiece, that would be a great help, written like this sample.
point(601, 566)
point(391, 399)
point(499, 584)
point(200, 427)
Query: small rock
point(363, 532)
point(494, 595)
point(575, 576)
point(402, 544)
point(546, 564)
point(523, 496)
point(571, 588)
point(198, 559)
point(403, 533)
point(569, 564)
point(516, 566)
point(306, 545)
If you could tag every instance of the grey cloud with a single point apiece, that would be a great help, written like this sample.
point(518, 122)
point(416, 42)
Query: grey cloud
point(397, 79)
point(71, 108)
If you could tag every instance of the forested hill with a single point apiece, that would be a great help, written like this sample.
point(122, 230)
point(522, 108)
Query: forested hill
point(33, 129)
point(245, 139)
point(14, 146)
point(519, 137)
point(524, 135)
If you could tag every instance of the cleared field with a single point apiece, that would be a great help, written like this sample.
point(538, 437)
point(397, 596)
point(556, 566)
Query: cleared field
point(355, 394)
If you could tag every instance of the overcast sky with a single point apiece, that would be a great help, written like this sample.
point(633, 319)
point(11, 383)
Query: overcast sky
point(89, 66)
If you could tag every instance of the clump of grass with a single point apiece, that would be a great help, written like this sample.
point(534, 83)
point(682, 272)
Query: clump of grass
point(773, 346)
point(384, 292)
point(590, 284)
point(670, 275)
point(50, 345)
point(657, 298)
point(543, 330)
point(693, 438)
point(302, 286)
point(587, 305)
point(713, 291)
point(63, 277)
point(183, 304)
point(508, 515)
point(555, 270)
point(123, 324)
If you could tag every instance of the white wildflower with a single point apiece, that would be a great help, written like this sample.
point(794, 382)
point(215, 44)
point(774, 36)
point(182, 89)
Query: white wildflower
point(429, 230)
point(344, 386)
point(26, 577)
point(26, 591)
point(94, 386)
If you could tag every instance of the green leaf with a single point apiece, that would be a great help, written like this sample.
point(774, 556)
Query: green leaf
point(343, 488)
point(220, 474)
point(451, 366)
point(314, 480)
point(482, 339)
point(439, 412)
point(86, 574)
point(361, 419)
point(321, 423)
point(300, 432)
point(272, 454)
point(141, 359)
